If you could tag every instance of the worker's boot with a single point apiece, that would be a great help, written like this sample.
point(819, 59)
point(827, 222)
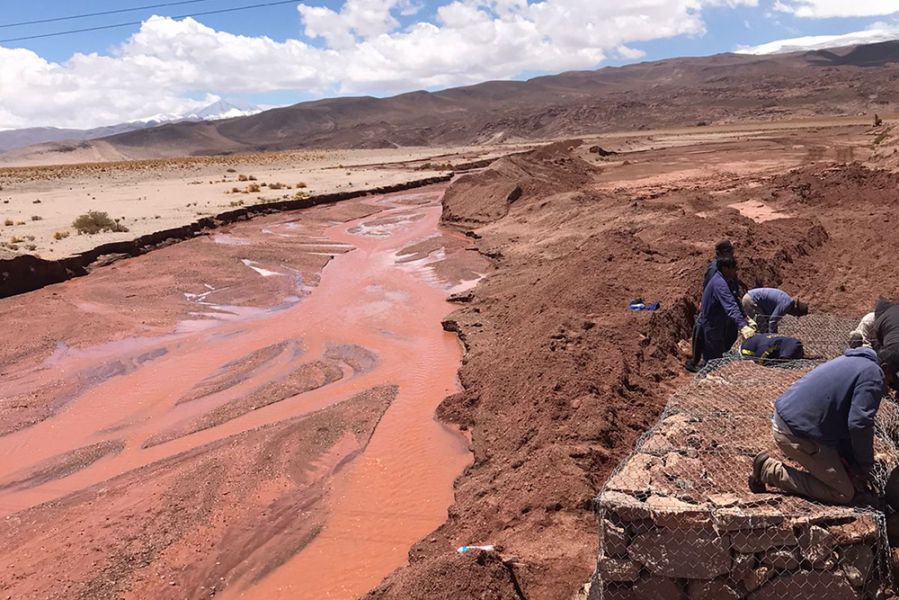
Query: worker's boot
point(694, 366)
point(756, 485)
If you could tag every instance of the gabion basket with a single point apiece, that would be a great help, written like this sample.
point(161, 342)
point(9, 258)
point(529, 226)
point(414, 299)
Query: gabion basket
point(677, 520)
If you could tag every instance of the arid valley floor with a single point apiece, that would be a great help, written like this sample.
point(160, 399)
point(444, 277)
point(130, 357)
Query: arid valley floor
point(280, 407)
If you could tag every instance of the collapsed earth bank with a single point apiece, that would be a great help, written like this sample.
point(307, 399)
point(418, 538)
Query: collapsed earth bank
point(560, 379)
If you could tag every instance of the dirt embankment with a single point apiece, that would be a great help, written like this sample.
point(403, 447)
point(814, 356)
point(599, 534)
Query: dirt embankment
point(560, 379)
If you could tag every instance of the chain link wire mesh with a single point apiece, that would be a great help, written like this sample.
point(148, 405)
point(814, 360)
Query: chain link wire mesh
point(677, 519)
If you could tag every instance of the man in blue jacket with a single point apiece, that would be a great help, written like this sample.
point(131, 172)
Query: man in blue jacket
point(825, 422)
point(767, 306)
point(722, 249)
point(719, 309)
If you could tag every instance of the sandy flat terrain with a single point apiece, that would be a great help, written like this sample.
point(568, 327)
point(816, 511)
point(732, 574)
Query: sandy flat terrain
point(39, 203)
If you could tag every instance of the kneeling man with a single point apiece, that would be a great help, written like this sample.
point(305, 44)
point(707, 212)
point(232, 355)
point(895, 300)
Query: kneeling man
point(825, 422)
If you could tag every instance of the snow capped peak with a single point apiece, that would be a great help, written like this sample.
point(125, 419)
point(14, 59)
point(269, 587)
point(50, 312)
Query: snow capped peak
point(223, 109)
point(220, 109)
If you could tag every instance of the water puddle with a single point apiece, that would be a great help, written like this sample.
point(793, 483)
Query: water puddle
point(758, 211)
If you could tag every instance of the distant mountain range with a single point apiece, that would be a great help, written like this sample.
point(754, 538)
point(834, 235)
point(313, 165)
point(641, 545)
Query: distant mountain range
point(21, 138)
point(726, 88)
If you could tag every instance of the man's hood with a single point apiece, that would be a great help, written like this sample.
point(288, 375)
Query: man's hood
point(862, 352)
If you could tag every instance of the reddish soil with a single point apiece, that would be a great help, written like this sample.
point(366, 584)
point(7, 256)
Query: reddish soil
point(213, 418)
point(560, 378)
point(290, 404)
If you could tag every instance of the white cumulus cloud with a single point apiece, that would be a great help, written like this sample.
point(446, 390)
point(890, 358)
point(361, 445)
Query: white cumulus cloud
point(823, 9)
point(176, 66)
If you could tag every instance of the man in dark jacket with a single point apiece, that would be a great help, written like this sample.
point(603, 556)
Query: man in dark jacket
point(722, 249)
point(721, 317)
point(886, 323)
point(825, 422)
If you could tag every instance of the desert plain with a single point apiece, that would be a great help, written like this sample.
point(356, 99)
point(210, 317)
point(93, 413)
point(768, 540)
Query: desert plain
point(41, 202)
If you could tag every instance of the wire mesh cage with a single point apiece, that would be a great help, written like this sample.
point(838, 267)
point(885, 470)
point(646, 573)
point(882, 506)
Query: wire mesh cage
point(677, 519)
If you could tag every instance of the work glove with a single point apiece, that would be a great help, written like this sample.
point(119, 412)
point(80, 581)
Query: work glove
point(751, 323)
point(747, 332)
point(855, 339)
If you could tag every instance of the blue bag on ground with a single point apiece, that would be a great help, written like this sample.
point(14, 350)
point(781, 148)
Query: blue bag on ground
point(768, 346)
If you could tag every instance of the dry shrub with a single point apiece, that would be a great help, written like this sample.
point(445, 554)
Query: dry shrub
point(241, 178)
point(9, 222)
point(60, 235)
point(275, 186)
point(253, 188)
point(96, 221)
point(37, 218)
point(301, 184)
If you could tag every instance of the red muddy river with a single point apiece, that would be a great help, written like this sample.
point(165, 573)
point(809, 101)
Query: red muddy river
point(273, 438)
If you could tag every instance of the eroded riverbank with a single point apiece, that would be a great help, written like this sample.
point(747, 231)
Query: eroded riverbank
point(231, 415)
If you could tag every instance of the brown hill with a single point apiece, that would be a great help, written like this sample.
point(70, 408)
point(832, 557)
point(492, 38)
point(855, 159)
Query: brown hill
point(668, 93)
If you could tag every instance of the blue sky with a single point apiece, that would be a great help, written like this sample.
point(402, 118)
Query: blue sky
point(376, 47)
point(727, 28)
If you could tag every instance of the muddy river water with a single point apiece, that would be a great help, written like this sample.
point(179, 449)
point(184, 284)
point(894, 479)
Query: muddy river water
point(131, 426)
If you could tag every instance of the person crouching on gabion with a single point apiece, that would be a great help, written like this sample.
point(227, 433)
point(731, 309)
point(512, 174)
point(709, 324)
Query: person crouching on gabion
point(767, 306)
point(825, 422)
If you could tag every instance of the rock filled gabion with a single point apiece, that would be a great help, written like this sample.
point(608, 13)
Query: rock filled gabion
point(677, 520)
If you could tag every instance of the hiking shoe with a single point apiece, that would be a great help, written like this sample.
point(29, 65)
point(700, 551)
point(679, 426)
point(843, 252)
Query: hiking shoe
point(691, 366)
point(756, 485)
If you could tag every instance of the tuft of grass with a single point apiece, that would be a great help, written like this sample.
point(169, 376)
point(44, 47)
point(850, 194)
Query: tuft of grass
point(236, 203)
point(61, 235)
point(429, 166)
point(94, 221)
